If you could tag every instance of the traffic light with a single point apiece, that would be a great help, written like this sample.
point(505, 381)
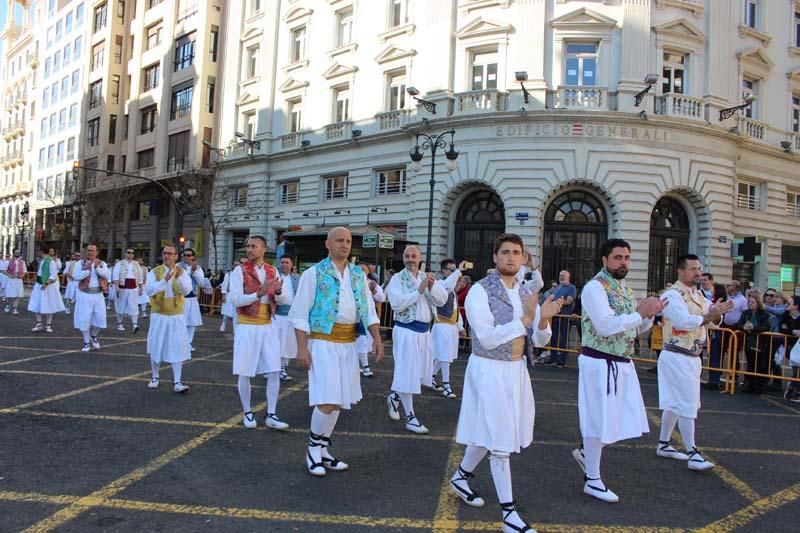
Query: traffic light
point(181, 239)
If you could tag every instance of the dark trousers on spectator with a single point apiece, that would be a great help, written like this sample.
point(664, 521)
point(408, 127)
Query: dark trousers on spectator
point(560, 338)
point(715, 356)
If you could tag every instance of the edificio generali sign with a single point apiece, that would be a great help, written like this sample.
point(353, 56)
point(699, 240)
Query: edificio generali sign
point(579, 129)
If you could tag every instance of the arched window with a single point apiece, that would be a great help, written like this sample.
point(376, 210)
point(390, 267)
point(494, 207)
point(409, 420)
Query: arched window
point(669, 239)
point(481, 217)
point(575, 227)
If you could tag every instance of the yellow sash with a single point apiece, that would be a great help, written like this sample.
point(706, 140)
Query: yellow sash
point(264, 316)
point(341, 333)
point(453, 320)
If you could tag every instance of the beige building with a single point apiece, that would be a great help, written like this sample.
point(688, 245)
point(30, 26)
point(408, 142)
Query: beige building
point(19, 44)
point(150, 104)
point(694, 165)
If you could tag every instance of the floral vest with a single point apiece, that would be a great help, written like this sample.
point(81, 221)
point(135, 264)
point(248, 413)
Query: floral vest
point(256, 313)
point(326, 298)
point(682, 341)
point(15, 267)
point(503, 312)
point(622, 301)
point(161, 304)
point(84, 283)
point(409, 284)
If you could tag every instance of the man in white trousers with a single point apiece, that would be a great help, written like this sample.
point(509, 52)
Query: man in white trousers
point(167, 286)
point(330, 306)
point(129, 280)
point(680, 363)
point(254, 288)
point(364, 343)
point(414, 296)
point(191, 306)
point(71, 292)
point(497, 408)
point(15, 290)
point(446, 328)
point(89, 317)
point(286, 331)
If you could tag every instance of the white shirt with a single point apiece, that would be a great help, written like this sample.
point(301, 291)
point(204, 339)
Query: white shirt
point(154, 287)
point(347, 314)
point(94, 281)
point(401, 300)
point(481, 320)
point(595, 303)
point(677, 311)
point(3, 265)
point(236, 289)
point(288, 289)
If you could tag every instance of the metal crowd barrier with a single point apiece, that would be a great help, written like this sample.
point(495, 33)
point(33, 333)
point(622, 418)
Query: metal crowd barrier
point(210, 302)
point(756, 363)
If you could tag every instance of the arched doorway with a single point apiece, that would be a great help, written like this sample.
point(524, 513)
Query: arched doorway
point(669, 239)
point(575, 227)
point(481, 217)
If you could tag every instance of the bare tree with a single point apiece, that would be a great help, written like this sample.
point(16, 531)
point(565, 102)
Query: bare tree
point(105, 204)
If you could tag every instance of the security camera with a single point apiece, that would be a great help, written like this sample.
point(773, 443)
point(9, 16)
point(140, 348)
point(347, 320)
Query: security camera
point(521, 75)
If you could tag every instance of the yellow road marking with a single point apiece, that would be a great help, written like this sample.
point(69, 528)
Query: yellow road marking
point(83, 504)
point(758, 508)
point(36, 497)
point(45, 356)
point(782, 405)
point(446, 518)
point(720, 471)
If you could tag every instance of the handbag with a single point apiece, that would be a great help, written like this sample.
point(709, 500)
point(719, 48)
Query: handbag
point(780, 355)
point(794, 355)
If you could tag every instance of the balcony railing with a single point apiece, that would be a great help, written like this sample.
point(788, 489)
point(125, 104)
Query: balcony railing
point(338, 130)
point(752, 128)
point(794, 138)
point(793, 209)
point(488, 101)
point(290, 140)
point(578, 97)
point(391, 120)
point(146, 172)
point(680, 106)
point(748, 201)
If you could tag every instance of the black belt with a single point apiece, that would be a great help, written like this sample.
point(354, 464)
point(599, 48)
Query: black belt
point(611, 362)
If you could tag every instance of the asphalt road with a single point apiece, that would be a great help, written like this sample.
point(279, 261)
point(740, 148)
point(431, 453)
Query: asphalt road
point(86, 446)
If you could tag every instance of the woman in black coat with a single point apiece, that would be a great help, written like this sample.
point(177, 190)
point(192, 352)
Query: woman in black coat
point(756, 348)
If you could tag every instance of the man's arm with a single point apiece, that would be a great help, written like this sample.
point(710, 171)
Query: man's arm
point(605, 322)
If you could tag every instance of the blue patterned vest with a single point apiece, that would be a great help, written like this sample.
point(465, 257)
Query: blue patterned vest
point(622, 301)
point(326, 299)
point(409, 284)
point(503, 312)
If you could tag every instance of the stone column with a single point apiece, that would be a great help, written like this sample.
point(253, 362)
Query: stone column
point(634, 64)
point(721, 82)
point(529, 54)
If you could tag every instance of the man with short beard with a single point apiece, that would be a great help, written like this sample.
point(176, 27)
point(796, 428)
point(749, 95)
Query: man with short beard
point(414, 297)
point(681, 363)
point(92, 276)
point(498, 410)
point(167, 341)
point(330, 307)
point(610, 404)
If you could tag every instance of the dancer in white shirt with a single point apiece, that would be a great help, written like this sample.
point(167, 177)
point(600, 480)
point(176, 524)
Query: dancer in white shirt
point(414, 296)
point(46, 293)
point(228, 311)
point(143, 299)
point(365, 342)
point(15, 290)
point(191, 306)
point(446, 328)
point(92, 276)
point(71, 292)
point(128, 278)
point(282, 322)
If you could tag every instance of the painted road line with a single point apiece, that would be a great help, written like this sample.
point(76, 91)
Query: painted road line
point(757, 509)
point(45, 356)
point(105, 493)
point(37, 497)
point(446, 518)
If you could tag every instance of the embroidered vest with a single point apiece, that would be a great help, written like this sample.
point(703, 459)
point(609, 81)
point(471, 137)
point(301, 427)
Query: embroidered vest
point(448, 313)
point(159, 302)
point(409, 284)
point(123, 270)
point(326, 299)
point(682, 341)
point(84, 283)
point(622, 302)
point(283, 309)
point(503, 312)
point(72, 265)
point(188, 269)
point(257, 313)
point(15, 267)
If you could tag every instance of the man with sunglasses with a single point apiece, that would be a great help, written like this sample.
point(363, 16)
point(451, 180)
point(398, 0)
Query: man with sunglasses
point(191, 307)
point(129, 279)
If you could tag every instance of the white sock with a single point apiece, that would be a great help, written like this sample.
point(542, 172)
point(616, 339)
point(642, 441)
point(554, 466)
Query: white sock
point(119, 320)
point(224, 322)
point(94, 331)
point(273, 388)
point(135, 320)
point(284, 363)
point(48, 319)
point(407, 399)
point(86, 337)
point(319, 421)
point(38, 318)
point(176, 371)
point(330, 424)
point(686, 425)
point(668, 421)
point(592, 450)
point(190, 333)
point(501, 475)
point(473, 455)
point(244, 392)
point(363, 360)
point(436, 366)
point(445, 372)
point(154, 368)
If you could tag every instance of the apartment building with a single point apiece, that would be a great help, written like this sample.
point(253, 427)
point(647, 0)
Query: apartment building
point(150, 104)
point(671, 123)
point(18, 109)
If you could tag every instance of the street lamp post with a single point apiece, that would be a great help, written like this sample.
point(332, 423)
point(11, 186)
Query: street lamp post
point(23, 215)
point(433, 143)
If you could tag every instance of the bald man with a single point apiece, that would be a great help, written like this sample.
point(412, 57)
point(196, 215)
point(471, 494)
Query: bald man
point(331, 307)
point(414, 297)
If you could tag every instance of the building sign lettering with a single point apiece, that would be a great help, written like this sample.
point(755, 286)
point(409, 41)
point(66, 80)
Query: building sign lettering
point(579, 129)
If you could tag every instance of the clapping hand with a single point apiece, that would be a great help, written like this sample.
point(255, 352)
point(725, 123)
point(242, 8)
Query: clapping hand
point(650, 307)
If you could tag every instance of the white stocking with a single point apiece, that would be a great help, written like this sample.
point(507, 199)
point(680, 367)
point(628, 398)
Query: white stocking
point(686, 425)
point(363, 360)
point(244, 392)
point(407, 399)
point(668, 421)
point(190, 333)
point(592, 450)
point(273, 388)
point(473, 455)
point(176, 372)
